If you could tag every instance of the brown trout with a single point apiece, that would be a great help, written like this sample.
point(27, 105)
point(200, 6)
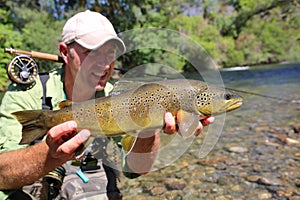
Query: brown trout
point(135, 110)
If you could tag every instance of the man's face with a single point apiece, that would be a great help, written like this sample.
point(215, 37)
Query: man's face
point(92, 69)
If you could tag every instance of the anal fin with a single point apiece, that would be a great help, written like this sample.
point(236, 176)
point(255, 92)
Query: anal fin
point(81, 150)
point(187, 123)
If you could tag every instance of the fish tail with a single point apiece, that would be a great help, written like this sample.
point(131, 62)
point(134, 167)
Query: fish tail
point(33, 122)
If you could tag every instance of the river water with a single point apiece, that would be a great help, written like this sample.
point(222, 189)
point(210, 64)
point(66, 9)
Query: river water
point(257, 155)
point(281, 81)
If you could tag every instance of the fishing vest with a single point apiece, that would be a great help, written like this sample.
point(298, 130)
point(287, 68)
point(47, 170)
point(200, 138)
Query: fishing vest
point(89, 179)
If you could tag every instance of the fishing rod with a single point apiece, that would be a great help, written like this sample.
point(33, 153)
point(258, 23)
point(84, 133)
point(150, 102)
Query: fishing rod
point(35, 54)
point(22, 69)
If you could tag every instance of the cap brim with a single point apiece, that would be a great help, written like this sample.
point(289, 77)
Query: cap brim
point(120, 44)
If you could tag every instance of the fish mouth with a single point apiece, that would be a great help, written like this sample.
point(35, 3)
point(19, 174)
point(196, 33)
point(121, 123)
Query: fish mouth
point(235, 105)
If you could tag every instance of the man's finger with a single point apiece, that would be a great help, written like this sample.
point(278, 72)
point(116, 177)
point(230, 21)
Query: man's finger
point(207, 121)
point(72, 144)
point(199, 129)
point(170, 124)
point(58, 131)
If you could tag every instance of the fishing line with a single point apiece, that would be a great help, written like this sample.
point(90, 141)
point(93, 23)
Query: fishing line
point(258, 94)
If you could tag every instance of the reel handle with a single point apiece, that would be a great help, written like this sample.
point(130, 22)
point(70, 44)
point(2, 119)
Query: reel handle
point(35, 54)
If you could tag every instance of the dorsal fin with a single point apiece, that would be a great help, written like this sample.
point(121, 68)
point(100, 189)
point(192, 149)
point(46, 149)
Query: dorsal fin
point(124, 86)
point(65, 103)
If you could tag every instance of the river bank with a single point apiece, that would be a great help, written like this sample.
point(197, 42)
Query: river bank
point(262, 165)
point(256, 157)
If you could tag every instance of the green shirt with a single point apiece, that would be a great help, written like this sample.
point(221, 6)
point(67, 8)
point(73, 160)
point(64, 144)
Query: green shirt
point(16, 99)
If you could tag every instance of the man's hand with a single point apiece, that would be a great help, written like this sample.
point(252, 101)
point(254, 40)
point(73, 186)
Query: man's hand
point(145, 149)
point(63, 140)
point(37, 160)
point(171, 128)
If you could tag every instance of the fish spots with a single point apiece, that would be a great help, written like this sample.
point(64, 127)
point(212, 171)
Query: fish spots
point(98, 111)
point(205, 98)
point(81, 113)
point(144, 107)
point(148, 101)
point(103, 112)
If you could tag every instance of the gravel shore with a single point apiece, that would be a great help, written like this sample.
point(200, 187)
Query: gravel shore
point(256, 157)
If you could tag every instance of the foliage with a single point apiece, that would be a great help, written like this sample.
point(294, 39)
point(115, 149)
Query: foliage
point(26, 29)
point(268, 40)
point(232, 32)
point(40, 33)
point(8, 38)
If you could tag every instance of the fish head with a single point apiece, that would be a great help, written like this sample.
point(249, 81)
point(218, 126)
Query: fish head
point(213, 101)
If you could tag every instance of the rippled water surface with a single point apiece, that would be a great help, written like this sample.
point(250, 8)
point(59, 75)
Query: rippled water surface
point(280, 81)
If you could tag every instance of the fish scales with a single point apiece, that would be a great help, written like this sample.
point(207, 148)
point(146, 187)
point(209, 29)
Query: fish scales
point(134, 110)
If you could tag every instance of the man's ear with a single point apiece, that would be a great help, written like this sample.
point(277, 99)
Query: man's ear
point(63, 50)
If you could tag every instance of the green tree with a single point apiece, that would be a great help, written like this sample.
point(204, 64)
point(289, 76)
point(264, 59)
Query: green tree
point(247, 9)
point(8, 38)
point(233, 32)
point(40, 33)
point(270, 38)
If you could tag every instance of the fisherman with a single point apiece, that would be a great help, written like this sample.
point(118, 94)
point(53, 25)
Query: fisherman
point(89, 47)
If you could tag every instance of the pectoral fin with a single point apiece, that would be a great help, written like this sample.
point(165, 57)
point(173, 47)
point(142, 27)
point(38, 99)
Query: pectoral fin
point(81, 150)
point(187, 123)
point(64, 104)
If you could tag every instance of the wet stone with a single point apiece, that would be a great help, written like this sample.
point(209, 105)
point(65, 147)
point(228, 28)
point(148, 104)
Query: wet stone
point(285, 193)
point(256, 167)
point(157, 190)
point(253, 178)
point(221, 166)
point(174, 184)
point(227, 197)
point(297, 182)
point(270, 181)
point(264, 195)
point(294, 198)
point(243, 165)
point(296, 128)
point(222, 181)
point(174, 194)
point(238, 149)
point(237, 188)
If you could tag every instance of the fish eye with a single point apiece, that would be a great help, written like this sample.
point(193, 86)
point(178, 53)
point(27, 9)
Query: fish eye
point(227, 96)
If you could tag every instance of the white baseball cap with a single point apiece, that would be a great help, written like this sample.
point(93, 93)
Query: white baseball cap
point(91, 30)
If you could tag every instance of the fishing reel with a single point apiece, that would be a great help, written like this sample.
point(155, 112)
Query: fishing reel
point(22, 69)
